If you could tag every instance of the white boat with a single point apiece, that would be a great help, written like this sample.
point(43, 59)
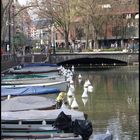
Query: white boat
point(41, 114)
point(23, 81)
point(38, 135)
point(31, 70)
point(35, 130)
point(68, 129)
point(22, 103)
point(60, 85)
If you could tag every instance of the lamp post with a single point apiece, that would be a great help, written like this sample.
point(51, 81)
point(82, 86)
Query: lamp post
point(133, 44)
point(13, 45)
point(53, 38)
point(9, 13)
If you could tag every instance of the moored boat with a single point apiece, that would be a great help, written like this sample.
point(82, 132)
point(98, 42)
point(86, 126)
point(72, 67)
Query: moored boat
point(69, 122)
point(39, 64)
point(21, 81)
point(41, 88)
point(33, 68)
point(7, 76)
point(35, 115)
point(22, 103)
point(35, 90)
point(41, 135)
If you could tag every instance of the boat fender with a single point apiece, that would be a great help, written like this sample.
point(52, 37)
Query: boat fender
point(60, 98)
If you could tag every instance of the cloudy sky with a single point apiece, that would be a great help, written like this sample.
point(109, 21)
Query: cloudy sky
point(22, 2)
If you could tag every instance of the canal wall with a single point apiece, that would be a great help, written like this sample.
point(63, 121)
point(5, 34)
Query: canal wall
point(8, 61)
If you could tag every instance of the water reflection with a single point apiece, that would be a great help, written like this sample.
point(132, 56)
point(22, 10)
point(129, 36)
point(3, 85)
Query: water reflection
point(114, 102)
point(84, 101)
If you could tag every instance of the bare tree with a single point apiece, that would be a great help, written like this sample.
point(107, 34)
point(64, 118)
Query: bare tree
point(100, 15)
point(5, 7)
point(60, 12)
point(94, 16)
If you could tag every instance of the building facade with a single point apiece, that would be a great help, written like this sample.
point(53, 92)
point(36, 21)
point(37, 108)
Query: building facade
point(122, 28)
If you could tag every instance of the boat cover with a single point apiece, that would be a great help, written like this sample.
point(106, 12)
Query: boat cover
point(41, 114)
point(39, 64)
point(29, 90)
point(35, 75)
point(27, 103)
point(35, 69)
point(21, 76)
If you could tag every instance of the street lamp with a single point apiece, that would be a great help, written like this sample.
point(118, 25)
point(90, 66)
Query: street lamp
point(133, 43)
point(13, 12)
point(9, 12)
point(53, 38)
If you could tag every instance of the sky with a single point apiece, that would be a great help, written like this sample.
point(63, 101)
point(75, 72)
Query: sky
point(22, 2)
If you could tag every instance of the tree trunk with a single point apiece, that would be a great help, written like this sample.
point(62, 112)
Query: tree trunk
point(23, 54)
point(96, 45)
point(4, 18)
point(87, 41)
point(87, 37)
point(66, 39)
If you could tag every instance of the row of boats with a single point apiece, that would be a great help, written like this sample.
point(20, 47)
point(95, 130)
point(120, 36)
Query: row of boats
point(28, 99)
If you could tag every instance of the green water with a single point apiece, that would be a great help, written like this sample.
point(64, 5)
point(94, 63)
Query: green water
point(114, 102)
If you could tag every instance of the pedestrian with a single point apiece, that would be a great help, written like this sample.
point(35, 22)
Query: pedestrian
point(46, 49)
point(70, 47)
point(79, 47)
point(116, 44)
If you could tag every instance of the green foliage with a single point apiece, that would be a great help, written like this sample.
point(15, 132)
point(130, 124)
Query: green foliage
point(112, 49)
point(36, 50)
point(20, 39)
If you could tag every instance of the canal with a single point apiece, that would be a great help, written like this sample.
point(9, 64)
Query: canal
point(114, 102)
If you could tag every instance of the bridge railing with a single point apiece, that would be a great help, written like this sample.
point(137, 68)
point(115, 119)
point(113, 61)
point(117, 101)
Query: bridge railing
point(7, 57)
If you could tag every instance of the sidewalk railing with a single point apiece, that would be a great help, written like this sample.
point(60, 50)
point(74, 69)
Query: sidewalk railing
point(7, 57)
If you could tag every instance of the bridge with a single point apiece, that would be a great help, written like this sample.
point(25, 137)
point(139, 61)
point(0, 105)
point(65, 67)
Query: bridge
point(95, 58)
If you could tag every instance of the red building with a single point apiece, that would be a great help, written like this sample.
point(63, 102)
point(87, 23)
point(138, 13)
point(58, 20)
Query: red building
point(122, 29)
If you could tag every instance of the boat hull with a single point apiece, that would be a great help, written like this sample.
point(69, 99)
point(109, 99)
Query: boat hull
point(39, 135)
point(32, 80)
point(36, 115)
point(33, 89)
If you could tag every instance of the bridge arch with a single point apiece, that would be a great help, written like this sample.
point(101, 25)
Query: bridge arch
point(93, 61)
